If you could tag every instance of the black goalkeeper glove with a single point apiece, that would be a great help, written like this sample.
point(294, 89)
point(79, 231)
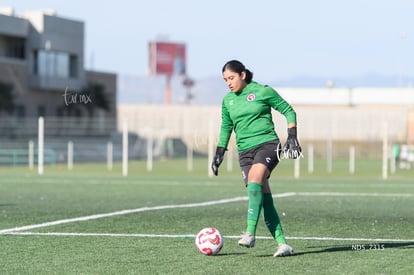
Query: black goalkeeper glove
point(218, 159)
point(292, 149)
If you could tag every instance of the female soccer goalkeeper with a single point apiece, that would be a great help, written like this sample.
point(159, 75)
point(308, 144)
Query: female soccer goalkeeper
point(246, 109)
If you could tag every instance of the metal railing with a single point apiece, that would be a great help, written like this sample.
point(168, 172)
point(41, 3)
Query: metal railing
point(23, 128)
point(16, 157)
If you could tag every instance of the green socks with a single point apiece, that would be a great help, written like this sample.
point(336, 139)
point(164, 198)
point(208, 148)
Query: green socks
point(255, 194)
point(257, 200)
point(272, 218)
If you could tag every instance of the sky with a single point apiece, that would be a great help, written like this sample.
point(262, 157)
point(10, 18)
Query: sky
point(274, 39)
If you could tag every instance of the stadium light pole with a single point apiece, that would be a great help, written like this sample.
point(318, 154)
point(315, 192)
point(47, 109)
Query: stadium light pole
point(190, 153)
point(40, 145)
point(125, 149)
point(168, 90)
point(352, 160)
point(109, 155)
point(230, 159)
point(385, 152)
point(310, 159)
point(210, 147)
point(150, 152)
point(296, 168)
point(188, 83)
point(70, 155)
point(31, 154)
point(329, 155)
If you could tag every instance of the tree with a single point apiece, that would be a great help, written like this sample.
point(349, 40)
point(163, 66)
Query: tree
point(98, 98)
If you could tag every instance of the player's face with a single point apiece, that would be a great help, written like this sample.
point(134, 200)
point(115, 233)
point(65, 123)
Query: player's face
point(235, 81)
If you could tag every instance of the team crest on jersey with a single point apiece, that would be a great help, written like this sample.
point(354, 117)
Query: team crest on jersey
point(251, 97)
point(231, 102)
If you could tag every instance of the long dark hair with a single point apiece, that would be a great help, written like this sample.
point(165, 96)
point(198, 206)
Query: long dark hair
point(238, 67)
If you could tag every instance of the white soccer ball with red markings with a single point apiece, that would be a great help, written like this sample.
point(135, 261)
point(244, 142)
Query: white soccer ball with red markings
point(209, 241)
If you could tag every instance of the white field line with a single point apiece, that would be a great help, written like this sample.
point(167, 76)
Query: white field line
point(338, 194)
point(130, 211)
point(191, 236)
point(162, 207)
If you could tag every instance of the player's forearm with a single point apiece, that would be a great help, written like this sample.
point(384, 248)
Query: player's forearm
point(224, 138)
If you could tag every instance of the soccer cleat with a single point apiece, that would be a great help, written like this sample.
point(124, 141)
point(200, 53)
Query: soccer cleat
point(247, 240)
point(283, 250)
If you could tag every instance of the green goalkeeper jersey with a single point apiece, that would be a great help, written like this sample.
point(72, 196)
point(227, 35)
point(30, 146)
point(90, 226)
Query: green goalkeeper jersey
point(249, 114)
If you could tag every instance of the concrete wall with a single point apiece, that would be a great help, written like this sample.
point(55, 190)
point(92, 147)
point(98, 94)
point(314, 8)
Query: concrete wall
point(13, 26)
point(197, 123)
point(349, 96)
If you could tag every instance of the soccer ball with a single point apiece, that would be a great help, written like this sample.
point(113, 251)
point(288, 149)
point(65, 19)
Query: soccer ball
point(209, 241)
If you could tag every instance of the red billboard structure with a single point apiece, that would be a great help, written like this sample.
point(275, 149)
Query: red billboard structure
point(169, 59)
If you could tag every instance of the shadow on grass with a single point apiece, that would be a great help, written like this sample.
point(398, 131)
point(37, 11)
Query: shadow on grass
point(358, 247)
point(229, 254)
point(352, 247)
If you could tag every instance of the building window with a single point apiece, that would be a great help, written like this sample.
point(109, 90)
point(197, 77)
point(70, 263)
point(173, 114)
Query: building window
point(17, 48)
point(73, 66)
point(78, 114)
point(59, 111)
point(41, 110)
point(53, 63)
point(20, 111)
point(13, 47)
point(46, 63)
point(62, 64)
point(35, 63)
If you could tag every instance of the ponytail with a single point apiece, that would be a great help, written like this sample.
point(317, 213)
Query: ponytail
point(238, 67)
point(249, 76)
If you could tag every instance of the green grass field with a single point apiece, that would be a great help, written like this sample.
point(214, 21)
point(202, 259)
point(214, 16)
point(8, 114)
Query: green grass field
point(94, 221)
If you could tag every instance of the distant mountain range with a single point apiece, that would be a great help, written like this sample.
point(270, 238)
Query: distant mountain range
point(210, 91)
